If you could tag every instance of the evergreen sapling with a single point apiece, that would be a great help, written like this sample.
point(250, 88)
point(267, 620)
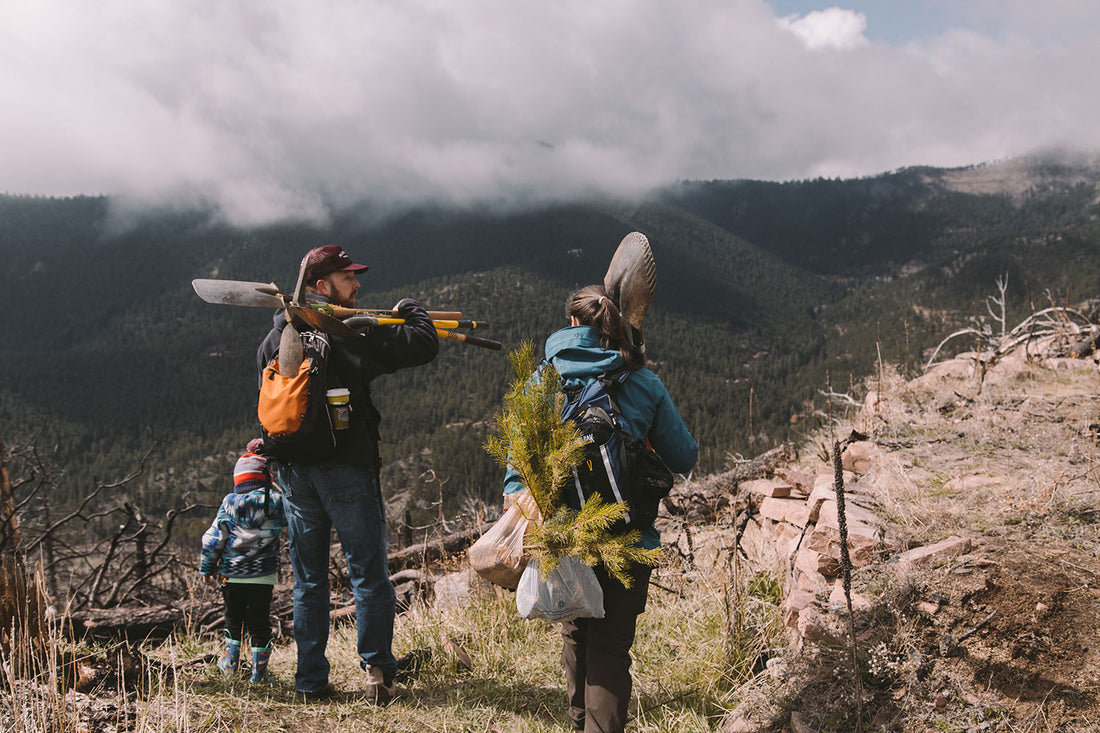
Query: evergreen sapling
point(543, 449)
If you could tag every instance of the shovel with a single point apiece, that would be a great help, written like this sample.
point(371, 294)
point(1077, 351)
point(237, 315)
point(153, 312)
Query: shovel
point(631, 281)
point(267, 295)
point(327, 317)
point(336, 327)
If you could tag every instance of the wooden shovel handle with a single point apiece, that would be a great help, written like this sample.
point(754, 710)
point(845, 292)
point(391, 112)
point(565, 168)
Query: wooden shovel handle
point(341, 312)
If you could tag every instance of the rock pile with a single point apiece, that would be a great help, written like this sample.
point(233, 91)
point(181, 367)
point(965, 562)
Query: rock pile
point(798, 516)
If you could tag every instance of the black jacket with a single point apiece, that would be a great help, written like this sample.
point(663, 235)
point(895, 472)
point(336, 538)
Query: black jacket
point(353, 363)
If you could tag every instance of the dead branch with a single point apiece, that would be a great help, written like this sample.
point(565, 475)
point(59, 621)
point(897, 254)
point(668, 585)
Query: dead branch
point(841, 398)
point(999, 300)
point(79, 511)
point(956, 334)
point(1086, 347)
point(1053, 321)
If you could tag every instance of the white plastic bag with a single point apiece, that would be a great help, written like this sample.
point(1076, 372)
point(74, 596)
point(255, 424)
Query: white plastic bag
point(498, 554)
point(571, 591)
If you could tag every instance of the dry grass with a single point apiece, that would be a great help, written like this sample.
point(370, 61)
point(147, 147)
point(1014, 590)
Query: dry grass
point(1011, 461)
point(704, 630)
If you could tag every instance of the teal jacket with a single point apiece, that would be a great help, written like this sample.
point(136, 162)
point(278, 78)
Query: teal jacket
point(578, 355)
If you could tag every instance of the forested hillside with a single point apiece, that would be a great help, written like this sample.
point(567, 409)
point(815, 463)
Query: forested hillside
point(765, 292)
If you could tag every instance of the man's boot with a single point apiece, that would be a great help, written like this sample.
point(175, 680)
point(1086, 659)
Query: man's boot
point(378, 692)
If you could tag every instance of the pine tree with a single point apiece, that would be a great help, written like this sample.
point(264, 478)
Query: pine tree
point(533, 439)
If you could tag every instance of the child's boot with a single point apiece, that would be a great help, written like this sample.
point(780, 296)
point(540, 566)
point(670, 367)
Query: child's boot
point(259, 663)
point(230, 658)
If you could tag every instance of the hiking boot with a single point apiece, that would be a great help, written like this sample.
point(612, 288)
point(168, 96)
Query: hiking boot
point(380, 691)
point(230, 659)
point(323, 692)
point(260, 657)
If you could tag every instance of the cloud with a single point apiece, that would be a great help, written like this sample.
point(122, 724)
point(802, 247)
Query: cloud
point(273, 110)
point(829, 28)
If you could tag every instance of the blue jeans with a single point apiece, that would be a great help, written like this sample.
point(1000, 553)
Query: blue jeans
point(318, 497)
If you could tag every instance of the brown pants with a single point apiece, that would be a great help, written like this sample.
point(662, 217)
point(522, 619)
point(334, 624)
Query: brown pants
point(596, 655)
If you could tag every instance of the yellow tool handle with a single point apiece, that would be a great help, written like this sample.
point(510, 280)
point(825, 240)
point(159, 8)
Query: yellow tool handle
point(468, 339)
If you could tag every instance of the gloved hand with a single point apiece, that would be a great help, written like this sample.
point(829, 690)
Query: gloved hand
point(405, 306)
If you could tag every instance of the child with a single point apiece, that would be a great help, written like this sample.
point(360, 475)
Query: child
point(242, 546)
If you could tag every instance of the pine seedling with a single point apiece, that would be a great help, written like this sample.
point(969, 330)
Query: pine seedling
point(586, 536)
point(533, 439)
point(531, 436)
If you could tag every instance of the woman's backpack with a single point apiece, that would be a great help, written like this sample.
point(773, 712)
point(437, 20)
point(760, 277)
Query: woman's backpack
point(617, 465)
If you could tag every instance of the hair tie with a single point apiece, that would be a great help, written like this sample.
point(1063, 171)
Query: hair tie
point(602, 299)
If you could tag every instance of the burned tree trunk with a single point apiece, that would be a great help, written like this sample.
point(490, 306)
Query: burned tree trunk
point(22, 613)
point(9, 521)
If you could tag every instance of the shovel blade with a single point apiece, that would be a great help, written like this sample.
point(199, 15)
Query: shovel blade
point(237, 292)
point(631, 278)
point(291, 353)
point(320, 321)
point(631, 281)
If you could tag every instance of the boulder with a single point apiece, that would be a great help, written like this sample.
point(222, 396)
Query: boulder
point(925, 556)
point(791, 511)
point(862, 544)
point(860, 457)
point(811, 561)
point(796, 602)
point(766, 487)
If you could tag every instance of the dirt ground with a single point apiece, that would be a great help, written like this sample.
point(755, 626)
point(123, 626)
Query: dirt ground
point(1007, 636)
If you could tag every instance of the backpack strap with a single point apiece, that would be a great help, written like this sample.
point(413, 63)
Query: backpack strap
point(612, 381)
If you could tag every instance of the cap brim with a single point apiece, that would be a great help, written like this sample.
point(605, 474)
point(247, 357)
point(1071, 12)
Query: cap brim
point(322, 271)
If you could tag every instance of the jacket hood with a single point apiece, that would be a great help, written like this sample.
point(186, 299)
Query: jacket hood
point(577, 352)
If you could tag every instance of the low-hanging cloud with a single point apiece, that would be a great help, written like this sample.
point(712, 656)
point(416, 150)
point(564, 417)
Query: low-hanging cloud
point(276, 110)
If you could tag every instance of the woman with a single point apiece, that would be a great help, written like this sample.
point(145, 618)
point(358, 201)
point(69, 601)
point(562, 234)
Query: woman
point(596, 652)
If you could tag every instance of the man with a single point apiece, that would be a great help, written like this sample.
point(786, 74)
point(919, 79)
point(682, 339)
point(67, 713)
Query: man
point(342, 491)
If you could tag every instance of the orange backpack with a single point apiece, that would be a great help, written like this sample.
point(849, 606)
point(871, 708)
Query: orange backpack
point(293, 411)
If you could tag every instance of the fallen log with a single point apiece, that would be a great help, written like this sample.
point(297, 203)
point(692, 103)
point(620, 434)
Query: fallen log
point(129, 622)
point(1085, 348)
point(433, 551)
point(702, 501)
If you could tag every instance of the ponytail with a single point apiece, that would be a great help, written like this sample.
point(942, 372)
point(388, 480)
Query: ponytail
point(592, 306)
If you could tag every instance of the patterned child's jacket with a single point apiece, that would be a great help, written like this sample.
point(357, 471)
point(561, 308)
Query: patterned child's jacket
point(243, 542)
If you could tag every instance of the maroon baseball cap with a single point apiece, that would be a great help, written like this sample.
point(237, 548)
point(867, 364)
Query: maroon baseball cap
point(330, 258)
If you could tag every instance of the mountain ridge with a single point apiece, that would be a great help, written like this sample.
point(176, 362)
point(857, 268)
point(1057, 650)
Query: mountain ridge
point(766, 293)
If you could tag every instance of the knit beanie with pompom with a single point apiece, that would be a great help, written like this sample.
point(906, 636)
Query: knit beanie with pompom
point(250, 473)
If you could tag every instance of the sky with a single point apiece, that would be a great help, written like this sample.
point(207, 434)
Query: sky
point(275, 110)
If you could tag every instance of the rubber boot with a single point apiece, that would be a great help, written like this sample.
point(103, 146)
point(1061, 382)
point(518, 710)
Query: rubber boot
point(230, 659)
point(260, 657)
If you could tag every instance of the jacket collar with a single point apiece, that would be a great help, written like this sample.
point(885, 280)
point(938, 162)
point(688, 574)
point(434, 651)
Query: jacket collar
point(577, 353)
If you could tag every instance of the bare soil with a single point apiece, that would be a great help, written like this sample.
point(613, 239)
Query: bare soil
point(1007, 636)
